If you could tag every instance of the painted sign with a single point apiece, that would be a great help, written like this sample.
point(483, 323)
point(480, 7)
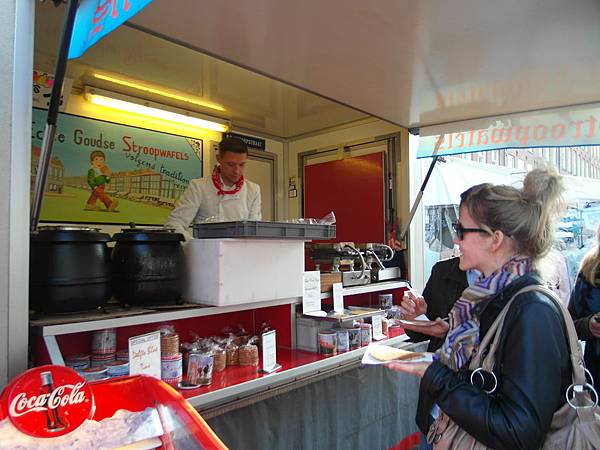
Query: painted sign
point(49, 401)
point(42, 90)
point(103, 172)
point(96, 18)
point(565, 127)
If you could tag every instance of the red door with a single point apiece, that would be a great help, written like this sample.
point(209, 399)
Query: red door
point(353, 188)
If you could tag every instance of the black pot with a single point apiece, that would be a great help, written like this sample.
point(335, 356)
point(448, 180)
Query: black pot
point(147, 266)
point(69, 269)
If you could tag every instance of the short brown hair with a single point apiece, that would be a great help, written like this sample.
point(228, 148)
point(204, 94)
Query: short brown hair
point(97, 154)
point(232, 144)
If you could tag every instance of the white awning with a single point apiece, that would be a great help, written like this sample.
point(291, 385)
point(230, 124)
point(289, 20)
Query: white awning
point(563, 127)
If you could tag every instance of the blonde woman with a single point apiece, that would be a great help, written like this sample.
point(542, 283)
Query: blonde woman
point(502, 232)
point(584, 307)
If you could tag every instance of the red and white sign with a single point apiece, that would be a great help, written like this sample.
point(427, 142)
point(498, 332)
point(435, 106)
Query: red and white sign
point(49, 401)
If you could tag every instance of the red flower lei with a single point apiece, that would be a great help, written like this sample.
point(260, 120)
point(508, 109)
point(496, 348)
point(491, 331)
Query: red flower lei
point(218, 183)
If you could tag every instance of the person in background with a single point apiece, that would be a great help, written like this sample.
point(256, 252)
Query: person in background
point(502, 232)
point(584, 307)
point(224, 196)
point(444, 286)
point(555, 271)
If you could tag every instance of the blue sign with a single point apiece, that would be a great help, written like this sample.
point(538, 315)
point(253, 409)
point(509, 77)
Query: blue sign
point(96, 18)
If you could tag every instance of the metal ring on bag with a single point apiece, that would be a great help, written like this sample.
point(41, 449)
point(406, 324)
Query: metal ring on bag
point(587, 386)
point(589, 374)
point(478, 370)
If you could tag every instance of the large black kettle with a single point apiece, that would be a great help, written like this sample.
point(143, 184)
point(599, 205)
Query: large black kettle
point(69, 269)
point(148, 266)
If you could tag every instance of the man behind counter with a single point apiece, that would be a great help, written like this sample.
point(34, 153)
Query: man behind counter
point(224, 196)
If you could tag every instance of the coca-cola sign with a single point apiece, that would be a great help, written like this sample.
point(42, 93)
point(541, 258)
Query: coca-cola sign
point(49, 401)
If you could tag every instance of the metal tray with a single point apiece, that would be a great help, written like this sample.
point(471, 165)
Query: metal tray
point(257, 229)
point(350, 313)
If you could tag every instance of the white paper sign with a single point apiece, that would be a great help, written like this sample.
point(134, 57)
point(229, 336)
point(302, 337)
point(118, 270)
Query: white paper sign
point(338, 298)
point(269, 352)
point(144, 354)
point(311, 292)
point(377, 328)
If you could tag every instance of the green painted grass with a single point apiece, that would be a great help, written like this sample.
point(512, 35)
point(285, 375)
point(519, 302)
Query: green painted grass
point(70, 208)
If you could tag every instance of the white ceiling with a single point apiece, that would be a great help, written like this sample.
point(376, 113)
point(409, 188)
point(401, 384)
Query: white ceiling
point(411, 62)
point(252, 102)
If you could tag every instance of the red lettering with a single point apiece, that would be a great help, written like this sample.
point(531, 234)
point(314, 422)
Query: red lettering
point(592, 130)
point(103, 8)
point(522, 135)
point(558, 131)
point(461, 137)
point(126, 141)
point(481, 134)
point(577, 128)
point(542, 134)
point(471, 134)
point(440, 142)
point(501, 135)
point(449, 141)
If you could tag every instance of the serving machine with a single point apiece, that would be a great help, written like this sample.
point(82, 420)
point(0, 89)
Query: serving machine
point(355, 264)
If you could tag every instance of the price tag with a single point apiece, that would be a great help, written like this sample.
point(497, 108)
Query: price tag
point(269, 352)
point(144, 354)
point(338, 298)
point(377, 328)
point(311, 292)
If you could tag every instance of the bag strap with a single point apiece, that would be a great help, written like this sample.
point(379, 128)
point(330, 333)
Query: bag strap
point(493, 335)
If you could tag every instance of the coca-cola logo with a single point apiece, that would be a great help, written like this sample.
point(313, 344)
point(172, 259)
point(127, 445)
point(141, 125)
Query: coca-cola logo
point(49, 401)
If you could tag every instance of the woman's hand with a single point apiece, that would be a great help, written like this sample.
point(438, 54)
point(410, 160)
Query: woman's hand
point(417, 369)
point(438, 328)
point(412, 305)
point(595, 326)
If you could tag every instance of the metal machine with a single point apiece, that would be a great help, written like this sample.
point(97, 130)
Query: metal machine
point(358, 263)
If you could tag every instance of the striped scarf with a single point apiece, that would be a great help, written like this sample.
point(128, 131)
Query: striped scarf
point(463, 336)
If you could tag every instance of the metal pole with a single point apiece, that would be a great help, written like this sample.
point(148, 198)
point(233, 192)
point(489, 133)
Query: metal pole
point(50, 128)
point(415, 205)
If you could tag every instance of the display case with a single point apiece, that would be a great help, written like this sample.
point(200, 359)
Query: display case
point(60, 336)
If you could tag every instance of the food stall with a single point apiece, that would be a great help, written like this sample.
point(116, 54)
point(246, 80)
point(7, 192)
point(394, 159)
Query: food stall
point(407, 64)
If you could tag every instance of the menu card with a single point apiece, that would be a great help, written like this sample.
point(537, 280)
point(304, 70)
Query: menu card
point(269, 352)
point(144, 354)
point(311, 293)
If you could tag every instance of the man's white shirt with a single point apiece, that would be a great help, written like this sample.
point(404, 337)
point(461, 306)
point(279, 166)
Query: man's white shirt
point(200, 201)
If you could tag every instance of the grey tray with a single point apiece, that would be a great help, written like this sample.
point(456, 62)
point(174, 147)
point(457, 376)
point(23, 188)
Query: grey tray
point(257, 229)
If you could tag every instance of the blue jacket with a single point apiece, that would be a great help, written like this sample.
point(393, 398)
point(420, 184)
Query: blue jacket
point(584, 302)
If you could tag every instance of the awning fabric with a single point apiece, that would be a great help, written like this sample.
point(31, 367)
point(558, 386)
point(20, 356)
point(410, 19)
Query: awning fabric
point(564, 127)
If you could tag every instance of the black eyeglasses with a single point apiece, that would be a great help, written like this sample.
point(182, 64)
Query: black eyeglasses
point(460, 230)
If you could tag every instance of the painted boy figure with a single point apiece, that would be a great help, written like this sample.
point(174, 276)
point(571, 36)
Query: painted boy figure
point(98, 178)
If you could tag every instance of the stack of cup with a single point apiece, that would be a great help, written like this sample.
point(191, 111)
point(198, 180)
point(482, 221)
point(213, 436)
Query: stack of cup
point(104, 347)
point(171, 364)
point(78, 362)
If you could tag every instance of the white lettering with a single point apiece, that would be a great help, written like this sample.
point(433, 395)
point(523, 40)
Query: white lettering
point(21, 404)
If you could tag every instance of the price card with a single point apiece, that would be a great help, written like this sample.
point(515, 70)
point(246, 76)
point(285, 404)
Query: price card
point(269, 352)
point(338, 298)
point(311, 292)
point(377, 328)
point(144, 354)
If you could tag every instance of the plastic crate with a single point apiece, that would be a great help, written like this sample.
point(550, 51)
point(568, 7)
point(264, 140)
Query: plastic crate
point(256, 229)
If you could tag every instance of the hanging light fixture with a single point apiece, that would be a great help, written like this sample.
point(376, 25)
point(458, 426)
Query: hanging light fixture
point(134, 105)
point(141, 87)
